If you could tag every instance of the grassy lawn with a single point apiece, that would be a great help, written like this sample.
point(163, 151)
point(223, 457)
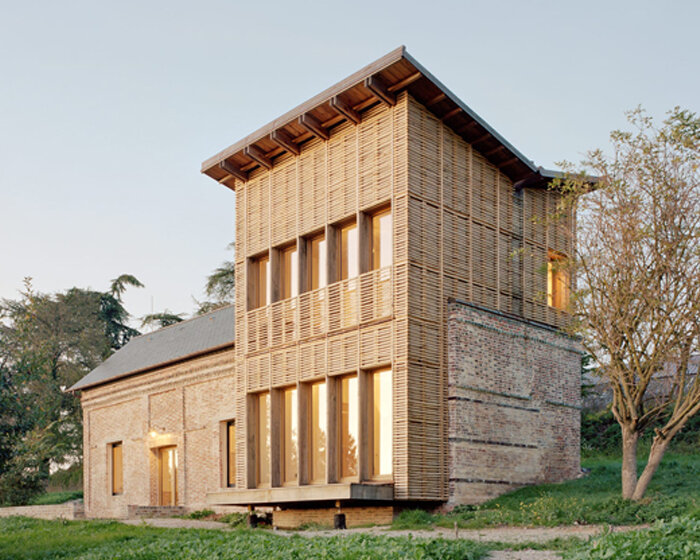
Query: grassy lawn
point(51, 498)
point(678, 539)
point(675, 490)
point(30, 539)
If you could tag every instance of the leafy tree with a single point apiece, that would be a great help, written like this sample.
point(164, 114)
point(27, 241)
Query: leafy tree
point(220, 287)
point(163, 319)
point(47, 343)
point(637, 267)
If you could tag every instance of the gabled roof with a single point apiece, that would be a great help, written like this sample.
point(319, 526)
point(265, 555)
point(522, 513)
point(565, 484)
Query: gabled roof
point(379, 82)
point(184, 340)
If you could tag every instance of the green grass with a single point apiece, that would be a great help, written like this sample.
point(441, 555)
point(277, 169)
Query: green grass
point(674, 491)
point(56, 498)
point(34, 539)
point(677, 539)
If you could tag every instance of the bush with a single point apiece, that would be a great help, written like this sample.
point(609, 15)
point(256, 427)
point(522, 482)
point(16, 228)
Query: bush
point(200, 514)
point(55, 498)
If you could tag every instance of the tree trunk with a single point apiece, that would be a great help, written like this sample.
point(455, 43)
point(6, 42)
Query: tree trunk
point(656, 453)
point(629, 462)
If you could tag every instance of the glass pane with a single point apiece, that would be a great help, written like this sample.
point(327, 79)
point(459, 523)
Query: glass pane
point(290, 273)
point(231, 453)
point(318, 432)
point(382, 433)
point(263, 439)
point(290, 436)
point(318, 262)
point(168, 476)
point(117, 473)
point(349, 426)
point(381, 240)
point(349, 265)
point(263, 287)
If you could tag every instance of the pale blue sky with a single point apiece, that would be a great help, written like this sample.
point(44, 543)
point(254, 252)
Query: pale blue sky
point(108, 109)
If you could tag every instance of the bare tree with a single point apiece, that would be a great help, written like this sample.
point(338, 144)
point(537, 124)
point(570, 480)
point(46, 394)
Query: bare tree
point(637, 268)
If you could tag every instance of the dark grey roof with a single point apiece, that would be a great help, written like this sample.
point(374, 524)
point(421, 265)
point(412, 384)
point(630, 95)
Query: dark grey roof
point(181, 340)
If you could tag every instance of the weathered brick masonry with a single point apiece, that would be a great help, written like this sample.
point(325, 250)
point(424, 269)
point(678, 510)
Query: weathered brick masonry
point(184, 405)
point(513, 401)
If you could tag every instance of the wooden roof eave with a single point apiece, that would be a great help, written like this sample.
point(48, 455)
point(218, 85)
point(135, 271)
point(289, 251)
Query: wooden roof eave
point(287, 133)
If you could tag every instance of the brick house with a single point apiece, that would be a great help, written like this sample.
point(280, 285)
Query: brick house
point(396, 318)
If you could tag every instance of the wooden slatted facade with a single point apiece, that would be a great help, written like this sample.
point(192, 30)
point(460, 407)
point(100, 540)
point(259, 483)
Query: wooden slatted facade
point(468, 223)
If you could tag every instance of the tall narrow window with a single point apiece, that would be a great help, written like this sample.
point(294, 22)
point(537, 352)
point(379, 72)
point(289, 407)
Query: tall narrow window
point(348, 251)
point(117, 469)
point(557, 281)
point(167, 468)
point(263, 443)
point(349, 426)
point(260, 270)
point(381, 411)
point(317, 262)
point(230, 453)
point(381, 239)
point(318, 420)
point(289, 273)
point(290, 449)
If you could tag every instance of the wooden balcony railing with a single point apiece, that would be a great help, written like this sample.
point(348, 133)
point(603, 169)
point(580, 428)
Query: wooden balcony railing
point(337, 306)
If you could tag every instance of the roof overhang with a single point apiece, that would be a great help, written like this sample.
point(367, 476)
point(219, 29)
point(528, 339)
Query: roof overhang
point(379, 82)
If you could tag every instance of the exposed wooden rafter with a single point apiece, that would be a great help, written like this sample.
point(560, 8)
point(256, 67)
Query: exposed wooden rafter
point(345, 110)
point(233, 170)
point(380, 89)
point(314, 126)
point(452, 113)
point(494, 151)
point(508, 162)
point(405, 82)
point(439, 97)
point(284, 140)
point(258, 155)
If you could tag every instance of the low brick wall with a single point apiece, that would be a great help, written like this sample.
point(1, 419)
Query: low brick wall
point(155, 511)
point(69, 510)
point(354, 516)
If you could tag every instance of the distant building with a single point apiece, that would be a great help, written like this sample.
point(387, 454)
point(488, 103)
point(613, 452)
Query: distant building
point(396, 319)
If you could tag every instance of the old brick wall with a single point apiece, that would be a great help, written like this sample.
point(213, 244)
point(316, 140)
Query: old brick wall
point(513, 402)
point(183, 405)
point(354, 516)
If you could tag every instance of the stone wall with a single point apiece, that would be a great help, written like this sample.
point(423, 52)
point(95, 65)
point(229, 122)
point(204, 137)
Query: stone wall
point(69, 510)
point(514, 403)
point(184, 405)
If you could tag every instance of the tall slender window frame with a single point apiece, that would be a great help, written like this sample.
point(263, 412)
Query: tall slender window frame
point(289, 272)
point(318, 432)
point(381, 240)
point(231, 453)
point(261, 281)
point(558, 281)
point(290, 436)
point(317, 269)
point(348, 250)
point(381, 432)
point(117, 465)
point(263, 462)
point(348, 427)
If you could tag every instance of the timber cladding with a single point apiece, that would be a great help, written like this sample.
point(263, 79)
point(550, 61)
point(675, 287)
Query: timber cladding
point(182, 404)
point(514, 404)
point(460, 230)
